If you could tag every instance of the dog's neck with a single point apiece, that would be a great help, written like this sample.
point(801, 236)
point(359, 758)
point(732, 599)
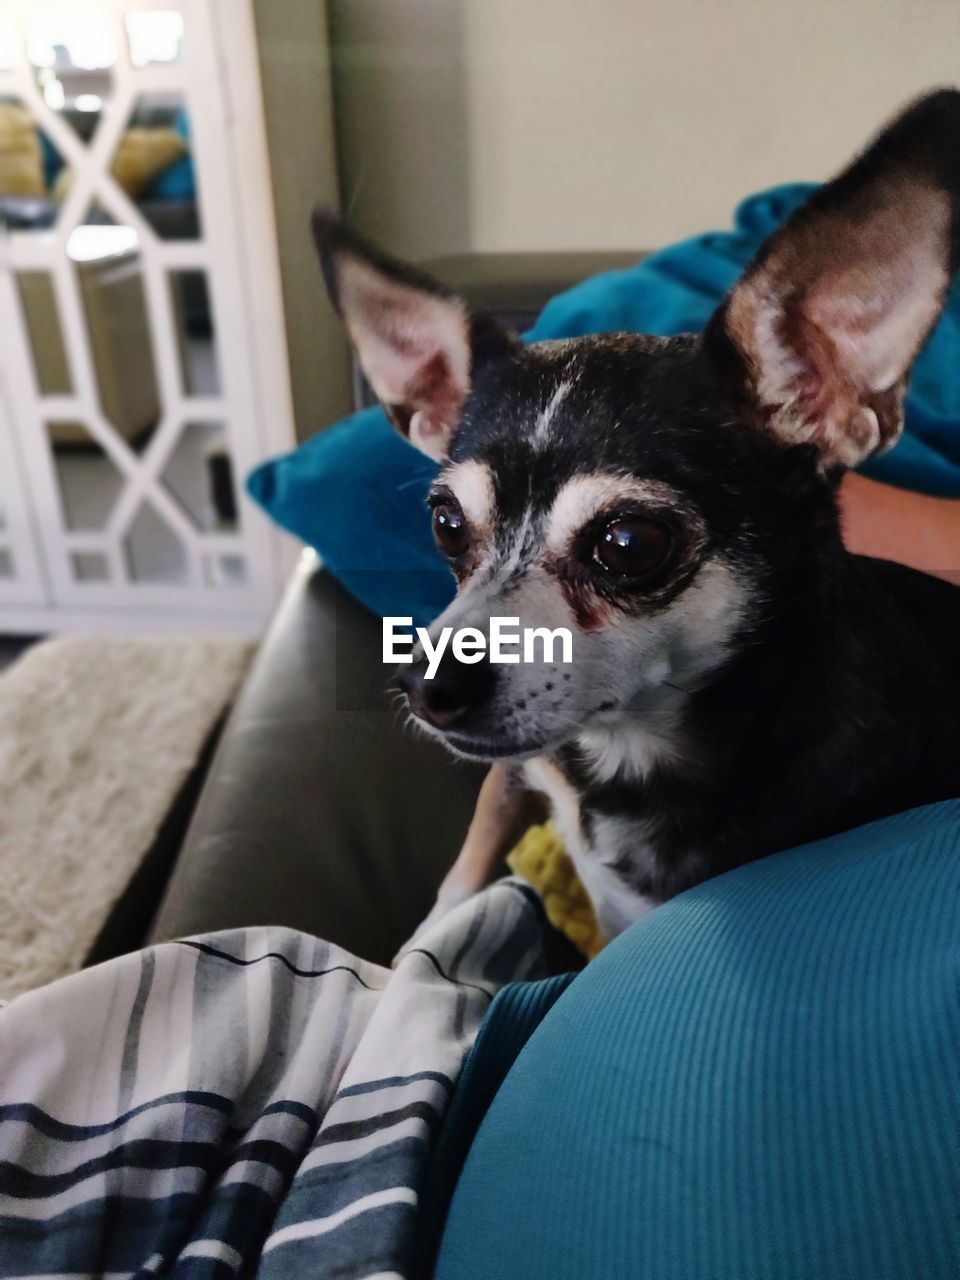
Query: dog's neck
point(647, 734)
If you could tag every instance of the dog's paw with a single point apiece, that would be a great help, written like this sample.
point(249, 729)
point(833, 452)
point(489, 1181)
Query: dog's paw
point(447, 901)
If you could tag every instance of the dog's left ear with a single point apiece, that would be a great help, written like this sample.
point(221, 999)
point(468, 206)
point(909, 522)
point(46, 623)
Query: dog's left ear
point(417, 343)
point(829, 317)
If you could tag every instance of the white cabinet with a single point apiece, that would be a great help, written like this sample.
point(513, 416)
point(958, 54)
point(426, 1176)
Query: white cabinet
point(142, 351)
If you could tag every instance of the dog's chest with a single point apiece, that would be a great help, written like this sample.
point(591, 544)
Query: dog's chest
point(609, 853)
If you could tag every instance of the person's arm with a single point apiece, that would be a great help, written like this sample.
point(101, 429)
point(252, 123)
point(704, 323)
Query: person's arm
point(895, 524)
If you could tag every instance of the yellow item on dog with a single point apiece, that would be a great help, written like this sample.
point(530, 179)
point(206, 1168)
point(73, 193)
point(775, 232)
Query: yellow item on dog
point(541, 859)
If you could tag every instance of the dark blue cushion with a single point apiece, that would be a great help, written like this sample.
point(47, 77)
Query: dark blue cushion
point(320, 491)
point(759, 1081)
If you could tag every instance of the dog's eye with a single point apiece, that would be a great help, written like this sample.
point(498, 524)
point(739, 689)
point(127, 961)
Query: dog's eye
point(450, 529)
point(632, 547)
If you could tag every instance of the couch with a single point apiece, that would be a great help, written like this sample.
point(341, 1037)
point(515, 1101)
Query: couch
point(321, 810)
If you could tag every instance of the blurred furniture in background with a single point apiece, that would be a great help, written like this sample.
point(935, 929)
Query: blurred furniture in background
point(143, 367)
point(119, 335)
point(120, 341)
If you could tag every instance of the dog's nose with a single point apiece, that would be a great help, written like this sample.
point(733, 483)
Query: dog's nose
point(456, 689)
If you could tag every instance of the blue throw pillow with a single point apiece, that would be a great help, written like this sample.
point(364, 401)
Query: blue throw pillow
point(756, 1082)
point(357, 492)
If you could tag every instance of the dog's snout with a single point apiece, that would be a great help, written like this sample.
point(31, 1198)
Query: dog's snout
point(457, 688)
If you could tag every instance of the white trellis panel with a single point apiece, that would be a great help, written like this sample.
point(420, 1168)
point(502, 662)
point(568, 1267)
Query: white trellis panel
point(236, 252)
point(21, 577)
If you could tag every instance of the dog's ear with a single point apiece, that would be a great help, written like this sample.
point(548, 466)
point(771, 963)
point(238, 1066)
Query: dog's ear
point(417, 343)
point(829, 317)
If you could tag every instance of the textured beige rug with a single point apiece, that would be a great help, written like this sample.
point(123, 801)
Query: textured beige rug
point(96, 738)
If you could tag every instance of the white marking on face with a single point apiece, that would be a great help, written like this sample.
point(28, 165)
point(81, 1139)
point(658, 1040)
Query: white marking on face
point(541, 431)
point(519, 547)
point(649, 665)
point(705, 618)
point(585, 496)
point(471, 483)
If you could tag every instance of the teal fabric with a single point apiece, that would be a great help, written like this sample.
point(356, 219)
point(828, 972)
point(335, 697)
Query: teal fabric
point(517, 1010)
point(757, 1082)
point(179, 180)
point(357, 492)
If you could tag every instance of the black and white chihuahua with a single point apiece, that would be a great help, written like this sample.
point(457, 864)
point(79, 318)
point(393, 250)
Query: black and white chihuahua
point(740, 683)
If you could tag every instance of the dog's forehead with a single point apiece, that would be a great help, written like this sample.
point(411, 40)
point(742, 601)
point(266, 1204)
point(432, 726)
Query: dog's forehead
point(551, 391)
point(559, 418)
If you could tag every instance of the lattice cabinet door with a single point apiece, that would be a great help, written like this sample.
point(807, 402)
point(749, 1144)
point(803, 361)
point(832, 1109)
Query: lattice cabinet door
point(139, 381)
point(21, 577)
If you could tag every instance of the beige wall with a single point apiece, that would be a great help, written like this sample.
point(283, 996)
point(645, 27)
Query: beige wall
point(295, 71)
point(498, 125)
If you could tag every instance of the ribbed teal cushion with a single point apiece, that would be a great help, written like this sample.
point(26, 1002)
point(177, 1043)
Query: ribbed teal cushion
point(761, 1081)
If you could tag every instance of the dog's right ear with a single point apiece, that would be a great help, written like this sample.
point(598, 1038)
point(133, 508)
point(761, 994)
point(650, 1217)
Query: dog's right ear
point(826, 322)
point(417, 343)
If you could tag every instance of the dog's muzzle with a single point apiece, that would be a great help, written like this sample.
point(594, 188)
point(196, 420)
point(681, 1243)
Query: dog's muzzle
point(457, 691)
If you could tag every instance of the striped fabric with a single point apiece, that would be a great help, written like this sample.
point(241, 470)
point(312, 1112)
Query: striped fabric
point(254, 1102)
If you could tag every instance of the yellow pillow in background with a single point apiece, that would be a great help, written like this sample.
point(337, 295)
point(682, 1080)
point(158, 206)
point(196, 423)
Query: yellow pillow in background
point(143, 154)
point(21, 160)
point(541, 859)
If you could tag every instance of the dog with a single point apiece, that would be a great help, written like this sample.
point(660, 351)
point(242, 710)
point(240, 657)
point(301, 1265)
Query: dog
point(740, 683)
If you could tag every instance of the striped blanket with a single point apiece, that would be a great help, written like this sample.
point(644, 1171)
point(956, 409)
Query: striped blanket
point(254, 1102)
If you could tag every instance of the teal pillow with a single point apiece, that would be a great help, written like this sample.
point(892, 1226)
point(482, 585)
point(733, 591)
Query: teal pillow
point(358, 493)
point(757, 1082)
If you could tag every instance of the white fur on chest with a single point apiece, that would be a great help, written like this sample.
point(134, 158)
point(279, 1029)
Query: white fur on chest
point(616, 903)
point(629, 751)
